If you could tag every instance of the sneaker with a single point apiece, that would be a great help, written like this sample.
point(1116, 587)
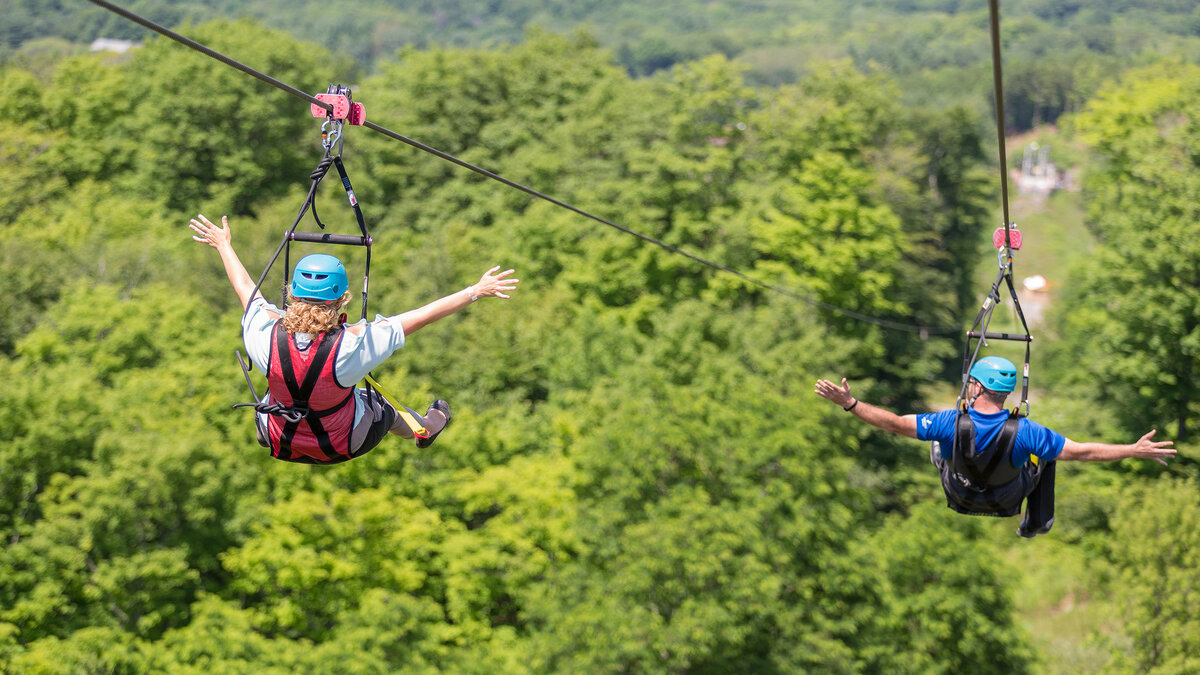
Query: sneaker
point(1028, 532)
point(432, 424)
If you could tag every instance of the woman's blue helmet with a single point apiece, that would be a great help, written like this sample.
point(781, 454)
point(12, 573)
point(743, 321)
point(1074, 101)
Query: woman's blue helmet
point(995, 373)
point(319, 277)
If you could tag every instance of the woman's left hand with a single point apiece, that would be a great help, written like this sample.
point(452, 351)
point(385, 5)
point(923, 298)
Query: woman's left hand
point(495, 285)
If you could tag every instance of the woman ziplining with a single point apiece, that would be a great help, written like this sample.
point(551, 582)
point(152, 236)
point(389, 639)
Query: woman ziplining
point(313, 413)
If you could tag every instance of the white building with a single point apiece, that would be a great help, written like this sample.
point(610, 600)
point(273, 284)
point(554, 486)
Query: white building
point(109, 45)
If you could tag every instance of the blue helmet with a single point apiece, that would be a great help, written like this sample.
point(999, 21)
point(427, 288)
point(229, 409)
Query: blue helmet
point(995, 373)
point(319, 277)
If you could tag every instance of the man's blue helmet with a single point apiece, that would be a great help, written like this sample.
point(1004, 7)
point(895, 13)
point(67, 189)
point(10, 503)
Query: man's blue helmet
point(995, 373)
point(319, 277)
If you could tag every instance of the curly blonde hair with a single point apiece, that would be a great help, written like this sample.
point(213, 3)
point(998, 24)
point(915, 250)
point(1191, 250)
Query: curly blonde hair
point(304, 316)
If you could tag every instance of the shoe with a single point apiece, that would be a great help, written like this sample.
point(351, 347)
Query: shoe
point(442, 407)
point(1024, 530)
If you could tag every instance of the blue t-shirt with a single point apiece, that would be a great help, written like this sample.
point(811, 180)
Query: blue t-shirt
point(1032, 438)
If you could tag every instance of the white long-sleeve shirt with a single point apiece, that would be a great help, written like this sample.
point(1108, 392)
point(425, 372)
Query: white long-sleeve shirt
point(356, 356)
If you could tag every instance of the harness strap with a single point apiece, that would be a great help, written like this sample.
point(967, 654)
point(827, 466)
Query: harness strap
point(1028, 340)
point(964, 447)
point(410, 421)
point(982, 319)
point(1001, 447)
point(1039, 505)
point(362, 226)
point(301, 391)
point(1003, 444)
point(316, 176)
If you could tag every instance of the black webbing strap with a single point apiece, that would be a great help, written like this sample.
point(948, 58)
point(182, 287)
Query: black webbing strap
point(310, 201)
point(366, 236)
point(964, 440)
point(964, 449)
point(982, 319)
point(1012, 291)
point(1001, 447)
point(362, 226)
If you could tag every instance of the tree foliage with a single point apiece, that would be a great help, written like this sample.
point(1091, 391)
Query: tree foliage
point(1146, 320)
point(636, 478)
point(1154, 552)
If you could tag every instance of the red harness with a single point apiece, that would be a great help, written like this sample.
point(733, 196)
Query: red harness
point(304, 380)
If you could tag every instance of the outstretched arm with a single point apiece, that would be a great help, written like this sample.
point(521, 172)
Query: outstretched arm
point(876, 417)
point(221, 239)
point(1144, 448)
point(490, 285)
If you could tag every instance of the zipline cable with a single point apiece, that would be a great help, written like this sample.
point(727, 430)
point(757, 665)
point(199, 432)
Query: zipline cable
point(979, 330)
point(883, 323)
point(644, 237)
point(997, 78)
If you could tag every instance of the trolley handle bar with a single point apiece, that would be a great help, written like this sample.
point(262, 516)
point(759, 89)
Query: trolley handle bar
point(1000, 336)
point(320, 238)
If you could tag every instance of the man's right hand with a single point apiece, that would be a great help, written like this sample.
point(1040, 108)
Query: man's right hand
point(839, 395)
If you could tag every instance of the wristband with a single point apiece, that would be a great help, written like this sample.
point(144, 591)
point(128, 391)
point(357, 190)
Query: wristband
point(851, 406)
point(471, 293)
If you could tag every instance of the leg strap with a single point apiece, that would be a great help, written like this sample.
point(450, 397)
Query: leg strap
point(417, 428)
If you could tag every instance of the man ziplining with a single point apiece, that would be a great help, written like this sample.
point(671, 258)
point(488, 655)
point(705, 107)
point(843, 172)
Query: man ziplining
point(986, 469)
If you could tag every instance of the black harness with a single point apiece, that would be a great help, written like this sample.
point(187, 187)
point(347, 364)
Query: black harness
point(985, 482)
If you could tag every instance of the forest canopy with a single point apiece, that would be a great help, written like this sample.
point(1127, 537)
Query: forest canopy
point(1057, 53)
point(638, 477)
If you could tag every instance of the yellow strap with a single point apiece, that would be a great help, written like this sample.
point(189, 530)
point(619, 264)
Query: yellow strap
point(418, 430)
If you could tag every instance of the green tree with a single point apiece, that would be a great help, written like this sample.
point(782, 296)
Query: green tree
point(1140, 336)
point(116, 503)
point(925, 593)
point(203, 129)
point(1155, 548)
point(845, 210)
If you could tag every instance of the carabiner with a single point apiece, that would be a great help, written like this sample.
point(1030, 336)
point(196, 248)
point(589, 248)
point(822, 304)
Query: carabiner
point(1004, 257)
point(331, 133)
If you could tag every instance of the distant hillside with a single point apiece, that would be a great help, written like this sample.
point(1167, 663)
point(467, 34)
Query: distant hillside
point(1056, 52)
